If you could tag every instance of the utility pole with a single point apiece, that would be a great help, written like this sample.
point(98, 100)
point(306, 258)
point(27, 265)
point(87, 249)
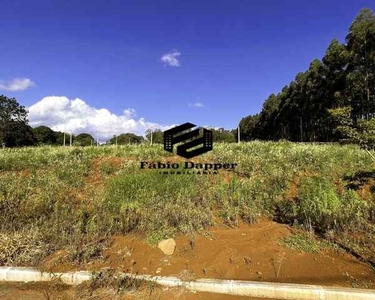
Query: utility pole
point(239, 133)
point(151, 137)
point(71, 139)
point(64, 138)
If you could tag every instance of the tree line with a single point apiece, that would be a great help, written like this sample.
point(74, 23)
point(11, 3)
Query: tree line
point(16, 132)
point(333, 100)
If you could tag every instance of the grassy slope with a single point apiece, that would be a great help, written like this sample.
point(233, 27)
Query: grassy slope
point(74, 198)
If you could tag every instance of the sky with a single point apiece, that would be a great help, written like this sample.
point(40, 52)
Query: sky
point(127, 66)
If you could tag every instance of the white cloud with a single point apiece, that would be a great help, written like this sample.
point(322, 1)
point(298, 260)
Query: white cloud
point(171, 58)
point(130, 113)
point(211, 127)
point(17, 84)
point(62, 114)
point(196, 104)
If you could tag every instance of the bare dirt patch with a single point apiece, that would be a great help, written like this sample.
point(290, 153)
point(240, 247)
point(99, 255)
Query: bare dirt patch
point(37, 291)
point(247, 252)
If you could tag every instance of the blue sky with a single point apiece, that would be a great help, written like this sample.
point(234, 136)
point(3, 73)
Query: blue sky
point(223, 58)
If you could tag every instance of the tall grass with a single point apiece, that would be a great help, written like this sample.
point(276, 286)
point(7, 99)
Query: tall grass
point(75, 198)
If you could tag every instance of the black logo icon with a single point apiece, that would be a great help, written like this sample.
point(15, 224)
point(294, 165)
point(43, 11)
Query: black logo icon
point(180, 133)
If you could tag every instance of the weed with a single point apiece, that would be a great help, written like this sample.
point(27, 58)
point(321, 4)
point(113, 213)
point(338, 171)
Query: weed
point(304, 242)
point(278, 263)
point(110, 278)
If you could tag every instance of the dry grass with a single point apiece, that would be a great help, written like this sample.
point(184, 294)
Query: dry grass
point(21, 248)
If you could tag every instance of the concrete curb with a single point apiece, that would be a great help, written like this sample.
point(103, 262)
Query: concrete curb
point(230, 287)
point(25, 275)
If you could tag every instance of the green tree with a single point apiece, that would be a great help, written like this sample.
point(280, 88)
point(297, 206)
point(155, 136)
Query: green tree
point(362, 132)
point(83, 139)
point(361, 67)
point(60, 137)
point(334, 93)
point(126, 138)
point(222, 135)
point(248, 126)
point(345, 77)
point(157, 136)
point(44, 135)
point(14, 129)
point(18, 134)
point(343, 124)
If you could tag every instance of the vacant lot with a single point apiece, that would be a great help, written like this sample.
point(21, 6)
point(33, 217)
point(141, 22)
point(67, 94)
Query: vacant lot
point(70, 208)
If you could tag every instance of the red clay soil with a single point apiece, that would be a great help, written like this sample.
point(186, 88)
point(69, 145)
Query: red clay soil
point(95, 176)
point(248, 252)
point(31, 291)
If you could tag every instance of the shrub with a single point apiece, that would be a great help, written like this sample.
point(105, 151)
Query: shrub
point(321, 205)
